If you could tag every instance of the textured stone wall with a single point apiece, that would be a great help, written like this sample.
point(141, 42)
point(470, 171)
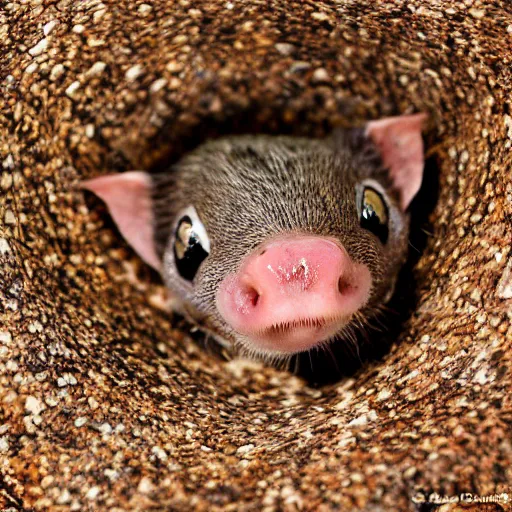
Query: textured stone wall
point(106, 404)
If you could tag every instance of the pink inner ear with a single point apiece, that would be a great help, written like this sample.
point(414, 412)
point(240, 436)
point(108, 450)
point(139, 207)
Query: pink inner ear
point(401, 147)
point(128, 198)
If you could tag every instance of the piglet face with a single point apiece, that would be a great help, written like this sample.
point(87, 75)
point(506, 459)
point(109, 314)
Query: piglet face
point(277, 245)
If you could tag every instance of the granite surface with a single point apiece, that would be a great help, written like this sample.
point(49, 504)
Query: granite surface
point(106, 401)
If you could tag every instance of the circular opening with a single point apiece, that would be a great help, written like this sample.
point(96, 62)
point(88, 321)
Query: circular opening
point(343, 285)
point(252, 295)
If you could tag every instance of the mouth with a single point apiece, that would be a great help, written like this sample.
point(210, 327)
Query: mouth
point(299, 335)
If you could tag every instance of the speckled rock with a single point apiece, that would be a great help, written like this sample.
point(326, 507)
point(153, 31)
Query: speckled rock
point(106, 403)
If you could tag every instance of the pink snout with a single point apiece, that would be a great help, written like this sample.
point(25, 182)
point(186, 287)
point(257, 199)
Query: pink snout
point(293, 293)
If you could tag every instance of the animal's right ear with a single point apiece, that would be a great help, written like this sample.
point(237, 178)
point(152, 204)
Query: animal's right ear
point(128, 198)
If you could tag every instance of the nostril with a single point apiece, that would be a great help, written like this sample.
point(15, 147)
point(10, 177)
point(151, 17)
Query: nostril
point(253, 296)
point(245, 298)
point(343, 285)
point(250, 295)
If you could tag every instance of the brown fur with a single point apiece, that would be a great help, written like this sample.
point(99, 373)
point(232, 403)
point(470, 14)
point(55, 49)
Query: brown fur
point(249, 189)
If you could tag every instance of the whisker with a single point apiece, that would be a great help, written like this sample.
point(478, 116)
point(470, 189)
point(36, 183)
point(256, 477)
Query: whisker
point(327, 347)
point(297, 365)
point(415, 248)
point(429, 233)
point(307, 322)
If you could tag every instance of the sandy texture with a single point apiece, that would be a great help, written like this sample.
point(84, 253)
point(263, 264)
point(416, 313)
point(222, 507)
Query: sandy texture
point(106, 405)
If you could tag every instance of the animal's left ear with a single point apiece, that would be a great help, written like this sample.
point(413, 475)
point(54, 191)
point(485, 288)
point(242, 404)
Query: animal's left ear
point(401, 147)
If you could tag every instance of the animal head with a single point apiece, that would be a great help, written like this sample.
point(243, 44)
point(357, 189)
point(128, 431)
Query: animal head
point(277, 244)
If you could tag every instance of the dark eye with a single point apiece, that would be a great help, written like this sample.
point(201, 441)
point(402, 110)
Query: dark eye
point(374, 214)
point(189, 250)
